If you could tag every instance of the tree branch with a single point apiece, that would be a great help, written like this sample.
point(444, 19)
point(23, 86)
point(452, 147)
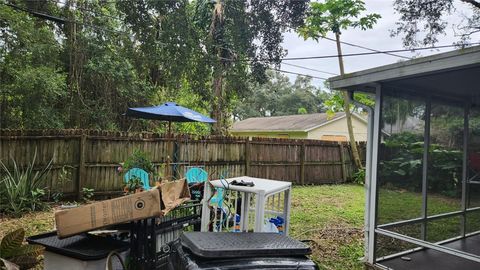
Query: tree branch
point(473, 2)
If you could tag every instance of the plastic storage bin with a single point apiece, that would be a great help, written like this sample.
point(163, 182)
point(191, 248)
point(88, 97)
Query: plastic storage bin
point(206, 250)
point(79, 252)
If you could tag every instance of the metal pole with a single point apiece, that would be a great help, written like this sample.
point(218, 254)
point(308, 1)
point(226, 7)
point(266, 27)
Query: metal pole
point(373, 176)
point(426, 157)
point(466, 119)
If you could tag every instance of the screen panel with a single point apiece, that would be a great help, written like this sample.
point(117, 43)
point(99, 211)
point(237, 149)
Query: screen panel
point(400, 159)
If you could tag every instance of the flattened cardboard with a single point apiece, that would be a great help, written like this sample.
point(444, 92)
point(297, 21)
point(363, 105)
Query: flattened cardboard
point(100, 214)
point(174, 193)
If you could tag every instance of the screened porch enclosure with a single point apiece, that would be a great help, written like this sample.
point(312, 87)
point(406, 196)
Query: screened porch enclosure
point(423, 161)
point(420, 175)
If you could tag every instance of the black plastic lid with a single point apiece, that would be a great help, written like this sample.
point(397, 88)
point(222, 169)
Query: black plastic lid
point(236, 245)
point(83, 247)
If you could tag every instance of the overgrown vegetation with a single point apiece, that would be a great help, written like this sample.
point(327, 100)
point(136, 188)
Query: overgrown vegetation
point(22, 189)
point(401, 165)
point(84, 68)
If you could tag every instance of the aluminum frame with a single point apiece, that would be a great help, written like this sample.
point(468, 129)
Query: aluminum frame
point(372, 192)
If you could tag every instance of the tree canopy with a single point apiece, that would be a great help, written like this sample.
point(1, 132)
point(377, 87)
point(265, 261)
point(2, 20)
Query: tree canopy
point(278, 96)
point(82, 63)
point(423, 21)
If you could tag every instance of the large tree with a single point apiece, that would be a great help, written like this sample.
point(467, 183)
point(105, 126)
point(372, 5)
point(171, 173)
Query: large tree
point(335, 16)
point(422, 21)
point(81, 63)
point(32, 80)
point(242, 38)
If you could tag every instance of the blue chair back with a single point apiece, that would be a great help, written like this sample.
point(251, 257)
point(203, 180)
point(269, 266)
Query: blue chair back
point(196, 175)
point(143, 175)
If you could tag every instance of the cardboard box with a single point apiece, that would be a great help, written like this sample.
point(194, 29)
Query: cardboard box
point(100, 214)
point(173, 194)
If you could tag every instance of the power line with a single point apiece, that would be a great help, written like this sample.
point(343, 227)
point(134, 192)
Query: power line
point(311, 69)
point(370, 53)
point(300, 74)
point(366, 48)
point(62, 20)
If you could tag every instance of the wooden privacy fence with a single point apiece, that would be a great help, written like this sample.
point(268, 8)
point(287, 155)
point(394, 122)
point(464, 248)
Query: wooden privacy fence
point(86, 158)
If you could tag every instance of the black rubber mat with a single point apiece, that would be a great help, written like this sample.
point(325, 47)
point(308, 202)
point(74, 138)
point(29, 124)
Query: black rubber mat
point(83, 247)
point(435, 260)
point(236, 245)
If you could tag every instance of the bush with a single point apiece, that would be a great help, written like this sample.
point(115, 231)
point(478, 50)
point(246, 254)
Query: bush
point(401, 165)
point(21, 188)
point(87, 193)
point(140, 160)
point(359, 177)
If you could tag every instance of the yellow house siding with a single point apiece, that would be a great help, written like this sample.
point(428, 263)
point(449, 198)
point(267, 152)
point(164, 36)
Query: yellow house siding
point(339, 128)
point(285, 135)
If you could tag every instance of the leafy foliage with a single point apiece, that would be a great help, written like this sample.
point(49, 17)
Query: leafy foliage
point(278, 96)
point(133, 184)
point(422, 21)
point(13, 251)
point(20, 188)
point(111, 55)
point(139, 159)
point(87, 193)
point(359, 176)
point(335, 16)
point(401, 165)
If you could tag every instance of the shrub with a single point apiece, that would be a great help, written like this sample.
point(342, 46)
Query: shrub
point(359, 177)
point(140, 160)
point(87, 193)
point(21, 188)
point(401, 165)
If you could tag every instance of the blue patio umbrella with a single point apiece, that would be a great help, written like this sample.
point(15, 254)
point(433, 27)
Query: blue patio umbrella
point(169, 111)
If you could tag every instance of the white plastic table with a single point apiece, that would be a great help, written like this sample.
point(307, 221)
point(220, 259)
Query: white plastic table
point(262, 189)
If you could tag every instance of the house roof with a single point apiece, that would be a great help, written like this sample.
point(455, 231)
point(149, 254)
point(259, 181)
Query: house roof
point(451, 75)
point(288, 123)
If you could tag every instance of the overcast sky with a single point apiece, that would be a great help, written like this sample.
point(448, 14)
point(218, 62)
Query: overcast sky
point(376, 38)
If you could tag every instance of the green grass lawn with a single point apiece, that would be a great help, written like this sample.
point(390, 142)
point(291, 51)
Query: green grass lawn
point(330, 216)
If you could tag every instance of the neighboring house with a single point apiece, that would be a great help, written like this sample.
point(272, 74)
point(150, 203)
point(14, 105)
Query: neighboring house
point(317, 126)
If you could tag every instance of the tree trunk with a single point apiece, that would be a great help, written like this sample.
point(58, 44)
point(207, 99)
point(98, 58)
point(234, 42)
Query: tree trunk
point(216, 35)
point(217, 103)
point(346, 108)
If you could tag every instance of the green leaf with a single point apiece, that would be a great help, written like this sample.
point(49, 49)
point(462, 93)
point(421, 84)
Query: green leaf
point(11, 242)
point(29, 250)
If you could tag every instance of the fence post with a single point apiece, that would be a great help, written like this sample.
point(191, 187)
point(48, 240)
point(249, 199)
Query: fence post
point(81, 166)
point(302, 163)
point(247, 156)
point(342, 159)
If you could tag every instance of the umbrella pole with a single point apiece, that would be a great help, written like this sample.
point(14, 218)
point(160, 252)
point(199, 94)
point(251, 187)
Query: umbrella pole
point(168, 169)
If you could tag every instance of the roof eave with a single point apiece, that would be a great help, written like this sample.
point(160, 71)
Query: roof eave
point(267, 131)
point(366, 79)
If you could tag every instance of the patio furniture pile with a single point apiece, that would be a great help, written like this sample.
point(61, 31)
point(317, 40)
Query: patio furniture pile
point(159, 229)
